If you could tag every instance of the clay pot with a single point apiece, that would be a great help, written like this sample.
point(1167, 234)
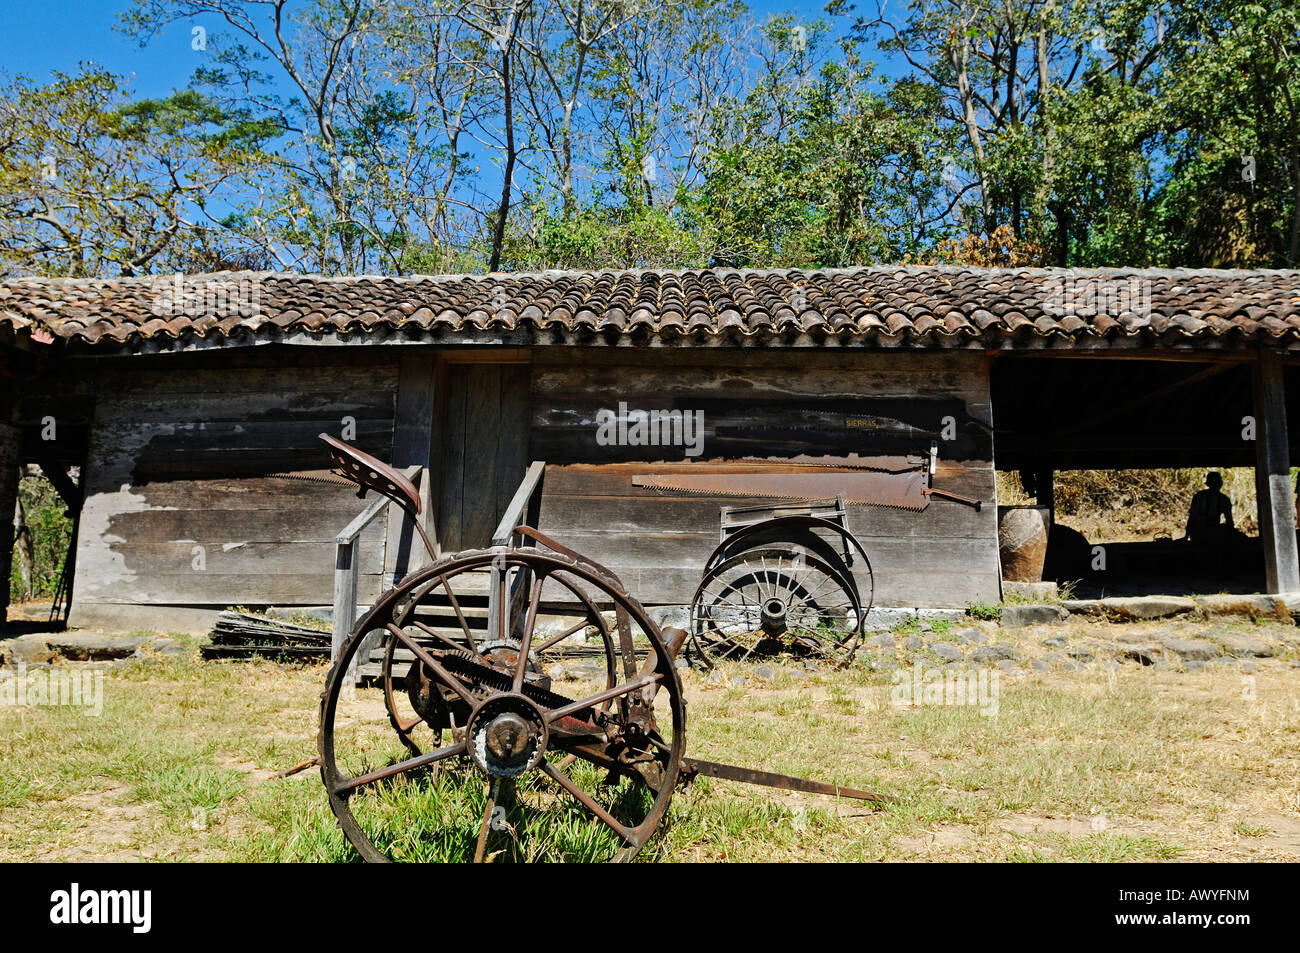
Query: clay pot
point(1022, 541)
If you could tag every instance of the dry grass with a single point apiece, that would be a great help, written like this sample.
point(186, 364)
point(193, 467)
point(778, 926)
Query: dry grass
point(1093, 765)
point(1134, 505)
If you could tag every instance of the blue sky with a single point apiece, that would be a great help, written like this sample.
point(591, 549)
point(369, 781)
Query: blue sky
point(46, 35)
point(41, 35)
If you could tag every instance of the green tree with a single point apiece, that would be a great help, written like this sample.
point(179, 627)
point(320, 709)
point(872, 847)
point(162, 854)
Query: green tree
point(1232, 139)
point(825, 167)
point(92, 183)
point(49, 531)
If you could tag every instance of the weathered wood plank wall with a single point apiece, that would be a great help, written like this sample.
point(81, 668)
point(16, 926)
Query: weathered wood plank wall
point(658, 540)
point(181, 446)
point(179, 455)
point(413, 428)
point(484, 449)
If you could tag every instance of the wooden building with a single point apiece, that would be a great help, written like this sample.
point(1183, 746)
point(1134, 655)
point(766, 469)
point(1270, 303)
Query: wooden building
point(188, 408)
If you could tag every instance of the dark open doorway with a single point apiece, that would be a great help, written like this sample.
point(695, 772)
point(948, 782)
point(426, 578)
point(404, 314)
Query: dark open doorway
point(1160, 425)
point(51, 428)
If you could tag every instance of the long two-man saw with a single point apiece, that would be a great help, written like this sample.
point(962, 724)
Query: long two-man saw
point(903, 490)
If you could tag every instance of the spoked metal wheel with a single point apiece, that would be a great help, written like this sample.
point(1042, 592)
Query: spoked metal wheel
point(769, 601)
point(477, 756)
point(418, 714)
point(801, 585)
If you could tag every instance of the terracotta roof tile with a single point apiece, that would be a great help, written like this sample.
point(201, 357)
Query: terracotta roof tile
point(911, 305)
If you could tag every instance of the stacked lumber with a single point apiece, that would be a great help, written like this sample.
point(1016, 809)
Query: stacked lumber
point(241, 635)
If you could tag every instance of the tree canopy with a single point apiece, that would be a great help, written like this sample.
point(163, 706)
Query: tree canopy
point(412, 136)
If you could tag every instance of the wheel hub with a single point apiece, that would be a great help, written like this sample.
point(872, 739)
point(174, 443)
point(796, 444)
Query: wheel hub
point(773, 616)
point(507, 736)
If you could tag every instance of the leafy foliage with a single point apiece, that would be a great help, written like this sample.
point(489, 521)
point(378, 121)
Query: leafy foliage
point(400, 136)
point(50, 529)
point(91, 183)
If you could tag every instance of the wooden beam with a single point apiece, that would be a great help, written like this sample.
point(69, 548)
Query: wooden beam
point(1135, 348)
point(433, 520)
point(488, 355)
point(345, 597)
point(412, 430)
point(517, 510)
point(67, 489)
point(1045, 489)
point(347, 572)
point(1273, 491)
point(10, 459)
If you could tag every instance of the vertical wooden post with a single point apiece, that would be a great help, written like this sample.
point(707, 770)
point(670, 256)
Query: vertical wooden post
point(494, 601)
point(1045, 488)
point(1273, 491)
point(412, 432)
point(10, 458)
point(345, 596)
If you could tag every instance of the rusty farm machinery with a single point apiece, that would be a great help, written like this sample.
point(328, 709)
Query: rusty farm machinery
point(788, 576)
point(468, 747)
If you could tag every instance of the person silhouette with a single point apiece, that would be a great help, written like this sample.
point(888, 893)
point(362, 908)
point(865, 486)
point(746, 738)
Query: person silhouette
point(1209, 518)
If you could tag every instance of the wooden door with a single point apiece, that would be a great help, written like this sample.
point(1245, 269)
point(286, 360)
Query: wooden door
point(484, 450)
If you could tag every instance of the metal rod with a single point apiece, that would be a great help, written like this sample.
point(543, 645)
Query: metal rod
point(730, 772)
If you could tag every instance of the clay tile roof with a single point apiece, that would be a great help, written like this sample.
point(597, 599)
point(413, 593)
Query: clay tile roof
point(894, 305)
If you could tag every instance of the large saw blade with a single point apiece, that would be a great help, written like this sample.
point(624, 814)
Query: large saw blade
point(883, 464)
point(900, 490)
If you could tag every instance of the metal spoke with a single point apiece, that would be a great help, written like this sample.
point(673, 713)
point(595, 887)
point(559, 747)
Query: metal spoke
point(420, 761)
point(826, 581)
point(746, 607)
point(452, 681)
point(403, 728)
point(526, 643)
point(589, 803)
point(742, 623)
point(765, 595)
point(732, 589)
point(737, 646)
point(460, 616)
point(492, 790)
point(792, 584)
point(751, 578)
point(584, 624)
point(433, 633)
point(820, 582)
point(623, 688)
point(815, 636)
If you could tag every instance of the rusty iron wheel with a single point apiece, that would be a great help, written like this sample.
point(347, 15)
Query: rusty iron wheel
point(799, 584)
point(414, 708)
point(506, 764)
